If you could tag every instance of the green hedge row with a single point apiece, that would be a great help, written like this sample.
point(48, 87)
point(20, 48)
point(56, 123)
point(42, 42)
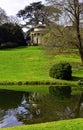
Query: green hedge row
point(30, 83)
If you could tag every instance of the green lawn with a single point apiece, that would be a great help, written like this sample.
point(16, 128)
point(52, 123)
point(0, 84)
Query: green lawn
point(27, 88)
point(75, 124)
point(33, 64)
point(24, 64)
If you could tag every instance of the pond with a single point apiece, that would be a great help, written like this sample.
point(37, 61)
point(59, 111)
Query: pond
point(18, 108)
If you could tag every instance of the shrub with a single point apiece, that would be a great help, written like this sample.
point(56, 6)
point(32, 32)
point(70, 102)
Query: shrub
point(60, 91)
point(20, 83)
point(61, 71)
point(26, 83)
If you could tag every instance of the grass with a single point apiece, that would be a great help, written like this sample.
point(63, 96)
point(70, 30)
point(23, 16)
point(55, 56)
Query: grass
point(75, 124)
point(32, 64)
point(23, 64)
point(25, 88)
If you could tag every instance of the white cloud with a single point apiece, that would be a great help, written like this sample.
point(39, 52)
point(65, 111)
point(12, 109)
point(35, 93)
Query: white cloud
point(13, 6)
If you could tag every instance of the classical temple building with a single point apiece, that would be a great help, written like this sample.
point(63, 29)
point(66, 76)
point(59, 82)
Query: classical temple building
point(37, 34)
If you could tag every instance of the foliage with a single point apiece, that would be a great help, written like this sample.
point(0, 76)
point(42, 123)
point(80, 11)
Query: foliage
point(61, 71)
point(33, 13)
point(55, 37)
point(11, 35)
point(60, 91)
point(37, 13)
point(59, 38)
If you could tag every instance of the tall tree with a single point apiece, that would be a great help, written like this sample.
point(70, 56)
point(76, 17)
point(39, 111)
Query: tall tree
point(37, 12)
point(73, 12)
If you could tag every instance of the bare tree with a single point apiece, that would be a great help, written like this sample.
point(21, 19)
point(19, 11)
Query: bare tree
point(14, 19)
point(74, 10)
point(72, 13)
point(3, 16)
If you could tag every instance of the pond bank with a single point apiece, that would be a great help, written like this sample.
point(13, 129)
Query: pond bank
point(75, 124)
point(58, 82)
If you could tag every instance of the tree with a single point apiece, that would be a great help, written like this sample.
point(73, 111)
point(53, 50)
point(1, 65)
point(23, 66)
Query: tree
point(11, 35)
point(14, 20)
point(55, 40)
point(3, 16)
point(7, 19)
point(73, 12)
point(37, 13)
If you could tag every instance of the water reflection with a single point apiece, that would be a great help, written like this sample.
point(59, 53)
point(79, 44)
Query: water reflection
point(8, 118)
point(18, 108)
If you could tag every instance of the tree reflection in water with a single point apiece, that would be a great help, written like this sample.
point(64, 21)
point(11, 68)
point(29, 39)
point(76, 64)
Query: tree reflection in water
point(17, 108)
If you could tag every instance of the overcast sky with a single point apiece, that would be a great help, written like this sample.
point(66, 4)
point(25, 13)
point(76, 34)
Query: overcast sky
point(13, 6)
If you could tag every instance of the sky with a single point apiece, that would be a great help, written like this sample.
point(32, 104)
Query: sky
point(12, 7)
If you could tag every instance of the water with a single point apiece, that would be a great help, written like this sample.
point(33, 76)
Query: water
point(18, 108)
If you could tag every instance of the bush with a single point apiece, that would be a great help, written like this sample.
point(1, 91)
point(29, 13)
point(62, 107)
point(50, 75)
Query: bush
point(61, 71)
point(60, 91)
point(20, 83)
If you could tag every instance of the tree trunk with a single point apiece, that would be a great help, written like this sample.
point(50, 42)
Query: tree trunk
point(81, 55)
point(77, 23)
point(80, 46)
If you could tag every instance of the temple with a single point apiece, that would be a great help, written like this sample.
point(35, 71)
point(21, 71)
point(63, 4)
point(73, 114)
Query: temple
point(37, 34)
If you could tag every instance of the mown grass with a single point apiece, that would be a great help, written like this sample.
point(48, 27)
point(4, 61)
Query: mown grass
point(75, 124)
point(27, 88)
point(24, 64)
point(33, 64)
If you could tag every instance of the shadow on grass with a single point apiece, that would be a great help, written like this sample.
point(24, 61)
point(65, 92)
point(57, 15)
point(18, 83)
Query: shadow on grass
point(12, 48)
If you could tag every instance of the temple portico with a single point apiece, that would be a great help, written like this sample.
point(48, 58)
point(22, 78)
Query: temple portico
point(37, 34)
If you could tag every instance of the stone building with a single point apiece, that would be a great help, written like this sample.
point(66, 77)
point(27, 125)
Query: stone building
point(37, 34)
